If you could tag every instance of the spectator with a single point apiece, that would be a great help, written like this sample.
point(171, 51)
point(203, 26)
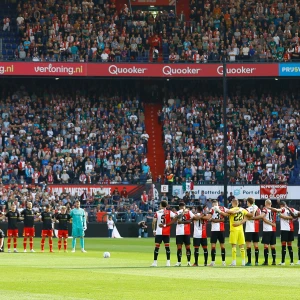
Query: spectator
point(202, 198)
point(143, 229)
point(110, 226)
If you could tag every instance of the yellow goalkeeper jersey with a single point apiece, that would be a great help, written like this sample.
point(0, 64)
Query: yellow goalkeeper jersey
point(239, 216)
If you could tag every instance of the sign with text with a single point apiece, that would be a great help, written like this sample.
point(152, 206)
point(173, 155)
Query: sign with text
point(65, 69)
point(289, 69)
point(213, 191)
point(43, 69)
point(108, 190)
point(273, 191)
point(164, 188)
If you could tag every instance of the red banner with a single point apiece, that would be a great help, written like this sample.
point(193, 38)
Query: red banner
point(43, 69)
point(92, 189)
point(273, 191)
point(136, 70)
point(182, 70)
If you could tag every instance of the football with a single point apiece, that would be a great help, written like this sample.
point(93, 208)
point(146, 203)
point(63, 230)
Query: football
point(106, 255)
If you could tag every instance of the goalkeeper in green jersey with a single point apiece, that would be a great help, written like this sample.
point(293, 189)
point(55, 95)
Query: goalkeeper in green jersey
point(78, 225)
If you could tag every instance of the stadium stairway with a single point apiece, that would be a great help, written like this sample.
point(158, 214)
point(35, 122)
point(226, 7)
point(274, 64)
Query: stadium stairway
point(156, 155)
point(10, 39)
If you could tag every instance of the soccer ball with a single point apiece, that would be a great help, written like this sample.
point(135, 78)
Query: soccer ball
point(106, 255)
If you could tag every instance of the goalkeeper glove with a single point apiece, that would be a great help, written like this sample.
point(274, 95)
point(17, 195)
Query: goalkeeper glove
point(216, 208)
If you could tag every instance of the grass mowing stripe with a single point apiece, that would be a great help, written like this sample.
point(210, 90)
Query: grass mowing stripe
point(127, 275)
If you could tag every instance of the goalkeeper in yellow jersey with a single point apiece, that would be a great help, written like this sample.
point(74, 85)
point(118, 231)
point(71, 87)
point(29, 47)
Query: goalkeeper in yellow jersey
point(236, 216)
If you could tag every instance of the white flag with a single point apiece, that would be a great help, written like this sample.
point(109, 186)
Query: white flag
point(116, 234)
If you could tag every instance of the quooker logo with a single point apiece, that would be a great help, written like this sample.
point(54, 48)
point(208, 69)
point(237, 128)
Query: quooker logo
point(58, 69)
point(114, 70)
point(234, 70)
point(170, 71)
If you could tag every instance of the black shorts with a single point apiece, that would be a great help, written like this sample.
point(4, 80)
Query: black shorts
point(298, 240)
point(252, 237)
point(286, 236)
point(2, 235)
point(162, 238)
point(183, 239)
point(217, 236)
point(200, 241)
point(269, 238)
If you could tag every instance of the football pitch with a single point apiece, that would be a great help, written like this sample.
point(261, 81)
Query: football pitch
point(127, 275)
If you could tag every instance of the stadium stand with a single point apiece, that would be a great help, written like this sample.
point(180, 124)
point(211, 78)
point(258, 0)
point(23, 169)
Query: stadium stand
point(58, 134)
point(263, 139)
point(72, 137)
point(88, 31)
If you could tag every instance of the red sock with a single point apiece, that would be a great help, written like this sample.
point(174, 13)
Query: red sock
point(31, 243)
point(25, 243)
point(8, 243)
point(43, 244)
point(59, 244)
point(50, 244)
point(15, 243)
point(65, 244)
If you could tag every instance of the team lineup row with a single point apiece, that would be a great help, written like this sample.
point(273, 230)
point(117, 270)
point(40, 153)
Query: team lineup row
point(163, 219)
point(48, 218)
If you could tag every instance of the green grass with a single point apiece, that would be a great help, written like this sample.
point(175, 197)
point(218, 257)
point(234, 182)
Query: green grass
point(127, 275)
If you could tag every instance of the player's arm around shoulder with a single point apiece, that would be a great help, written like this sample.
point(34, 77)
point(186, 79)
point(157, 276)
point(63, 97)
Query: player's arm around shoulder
point(278, 210)
point(246, 213)
point(261, 216)
point(226, 213)
point(266, 220)
point(239, 223)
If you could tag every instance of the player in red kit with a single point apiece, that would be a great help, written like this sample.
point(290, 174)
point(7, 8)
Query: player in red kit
point(269, 231)
point(217, 231)
point(47, 218)
point(296, 214)
point(161, 230)
point(29, 218)
point(12, 217)
point(200, 235)
point(286, 231)
point(183, 233)
point(63, 219)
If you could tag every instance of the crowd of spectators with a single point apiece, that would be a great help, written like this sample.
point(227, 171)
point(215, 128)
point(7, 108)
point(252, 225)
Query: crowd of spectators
point(61, 138)
point(87, 31)
point(118, 204)
point(263, 133)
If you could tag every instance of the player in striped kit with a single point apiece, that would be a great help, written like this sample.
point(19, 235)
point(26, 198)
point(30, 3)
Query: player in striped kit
point(200, 235)
point(183, 233)
point(269, 231)
point(217, 231)
point(286, 231)
point(252, 230)
point(296, 214)
point(161, 230)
